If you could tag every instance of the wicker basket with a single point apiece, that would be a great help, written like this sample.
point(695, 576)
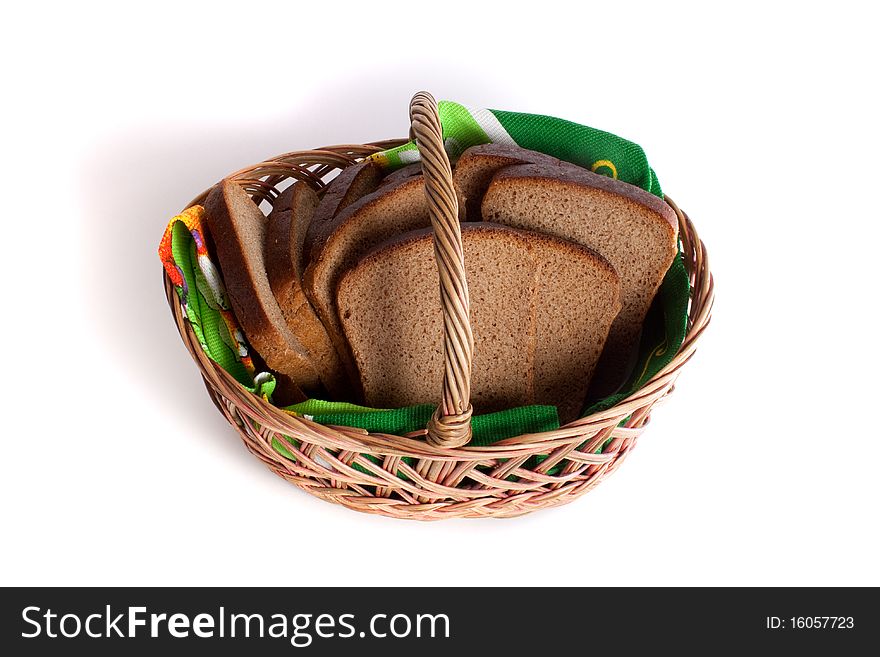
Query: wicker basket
point(447, 478)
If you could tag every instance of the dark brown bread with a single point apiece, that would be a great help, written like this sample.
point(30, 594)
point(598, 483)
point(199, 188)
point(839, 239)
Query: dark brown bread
point(478, 164)
point(408, 171)
point(238, 229)
point(285, 236)
point(633, 229)
point(352, 183)
point(394, 209)
point(541, 308)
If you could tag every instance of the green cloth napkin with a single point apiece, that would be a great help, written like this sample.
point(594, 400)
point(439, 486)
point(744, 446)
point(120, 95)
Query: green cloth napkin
point(597, 150)
point(486, 429)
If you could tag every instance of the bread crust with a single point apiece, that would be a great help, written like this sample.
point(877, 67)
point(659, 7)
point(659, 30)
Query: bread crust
point(489, 228)
point(242, 264)
point(282, 266)
point(352, 183)
point(478, 164)
point(291, 213)
point(568, 174)
point(403, 173)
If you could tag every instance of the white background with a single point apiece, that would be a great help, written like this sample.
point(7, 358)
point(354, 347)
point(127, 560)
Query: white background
point(761, 121)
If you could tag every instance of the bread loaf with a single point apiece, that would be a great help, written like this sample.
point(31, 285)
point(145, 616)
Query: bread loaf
point(352, 183)
point(541, 308)
point(285, 236)
point(478, 164)
point(238, 229)
point(408, 171)
point(394, 209)
point(633, 229)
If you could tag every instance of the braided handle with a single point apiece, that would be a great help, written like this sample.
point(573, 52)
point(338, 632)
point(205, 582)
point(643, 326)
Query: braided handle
point(450, 426)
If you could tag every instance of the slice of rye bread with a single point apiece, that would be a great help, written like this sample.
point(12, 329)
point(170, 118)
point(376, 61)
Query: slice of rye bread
point(285, 236)
point(478, 164)
point(541, 308)
point(633, 229)
point(394, 209)
point(352, 183)
point(238, 230)
point(408, 171)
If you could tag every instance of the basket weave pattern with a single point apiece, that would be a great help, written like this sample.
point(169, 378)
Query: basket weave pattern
point(443, 481)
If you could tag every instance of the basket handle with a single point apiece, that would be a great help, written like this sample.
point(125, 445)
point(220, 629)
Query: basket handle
point(450, 425)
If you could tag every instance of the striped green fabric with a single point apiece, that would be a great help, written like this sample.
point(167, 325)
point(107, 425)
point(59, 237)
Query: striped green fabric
point(587, 147)
point(486, 429)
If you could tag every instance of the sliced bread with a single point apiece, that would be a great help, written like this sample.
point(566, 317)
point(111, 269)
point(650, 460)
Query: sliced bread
point(285, 236)
point(478, 164)
point(394, 209)
point(408, 171)
point(238, 229)
point(541, 308)
point(634, 230)
point(352, 183)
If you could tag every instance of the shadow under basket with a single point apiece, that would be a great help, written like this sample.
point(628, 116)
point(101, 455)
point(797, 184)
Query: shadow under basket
point(433, 474)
